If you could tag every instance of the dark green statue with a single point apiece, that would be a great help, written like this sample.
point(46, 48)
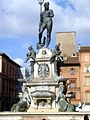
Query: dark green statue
point(61, 99)
point(56, 53)
point(24, 102)
point(31, 55)
point(45, 23)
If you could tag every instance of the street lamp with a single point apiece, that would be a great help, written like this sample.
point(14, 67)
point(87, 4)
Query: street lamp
point(40, 2)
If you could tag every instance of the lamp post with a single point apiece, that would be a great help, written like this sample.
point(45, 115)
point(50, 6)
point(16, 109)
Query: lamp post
point(40, 2)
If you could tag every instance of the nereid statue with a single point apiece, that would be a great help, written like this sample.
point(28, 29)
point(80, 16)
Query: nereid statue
point(61, 99)
point(45, 23)
point(24, 102)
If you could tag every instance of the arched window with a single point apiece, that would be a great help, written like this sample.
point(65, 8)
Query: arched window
point(72, 71)
point(72, 84)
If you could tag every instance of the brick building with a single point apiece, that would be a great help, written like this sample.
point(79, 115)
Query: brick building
point(70, 69)
point(76, 67)
point(9, 73)
point(67, 41)
point(71, 66)
point(84, 58)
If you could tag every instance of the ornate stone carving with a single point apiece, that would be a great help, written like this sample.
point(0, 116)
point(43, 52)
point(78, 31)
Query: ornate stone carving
point(43, 70)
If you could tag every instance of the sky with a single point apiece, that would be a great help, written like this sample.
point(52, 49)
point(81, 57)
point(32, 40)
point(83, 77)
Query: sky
point(19, 24)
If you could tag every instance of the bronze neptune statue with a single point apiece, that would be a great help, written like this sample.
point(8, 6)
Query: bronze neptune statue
point(45, 23)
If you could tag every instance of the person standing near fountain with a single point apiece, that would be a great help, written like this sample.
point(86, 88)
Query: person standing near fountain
point(45, 23)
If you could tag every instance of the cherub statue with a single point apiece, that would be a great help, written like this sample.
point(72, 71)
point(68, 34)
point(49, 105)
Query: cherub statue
point(31, 55)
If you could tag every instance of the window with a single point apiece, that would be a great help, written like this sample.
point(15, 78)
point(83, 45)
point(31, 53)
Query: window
point(72, 84)
point(3, 89)
point(88, 96)
point(7, 69)
point(72, 71)
point(87, 81)
point(3, 67)
point(86, 69)
point(86, 58)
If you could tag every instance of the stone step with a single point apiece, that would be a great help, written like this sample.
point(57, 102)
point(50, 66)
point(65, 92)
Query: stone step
point(40, 110)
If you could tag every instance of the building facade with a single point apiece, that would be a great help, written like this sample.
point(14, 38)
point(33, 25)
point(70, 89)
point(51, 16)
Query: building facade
point(67, 41)
point(70, 70)
point(9, 73)
point(84, 58)
point(71, 66)
point(76, 67)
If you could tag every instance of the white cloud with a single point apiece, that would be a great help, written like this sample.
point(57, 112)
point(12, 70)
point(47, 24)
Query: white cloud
point(21, 17)
point(18, 17)
point(20, 61)
point(77, 19)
